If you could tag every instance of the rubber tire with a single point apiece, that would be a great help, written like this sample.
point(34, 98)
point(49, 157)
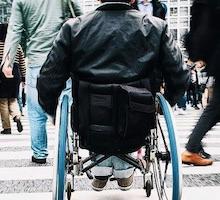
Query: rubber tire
point(174, 148)
point(61, 157)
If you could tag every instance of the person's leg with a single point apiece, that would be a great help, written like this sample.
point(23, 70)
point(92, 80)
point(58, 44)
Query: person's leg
point(37, 118)
point(20, 104)
point(104, 168)
point(4, 110)
point(123, 171)
point(15, 113)
point(101, 174)
point(210, 93)
point(37, 121)
point(19, 99)
point(208, 119)
point(181, 103)
point(194, 93)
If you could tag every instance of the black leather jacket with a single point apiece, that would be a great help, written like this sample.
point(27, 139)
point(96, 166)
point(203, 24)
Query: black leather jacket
point(113, 44)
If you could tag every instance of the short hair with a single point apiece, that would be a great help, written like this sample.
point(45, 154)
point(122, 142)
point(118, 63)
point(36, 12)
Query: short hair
point(3, 31)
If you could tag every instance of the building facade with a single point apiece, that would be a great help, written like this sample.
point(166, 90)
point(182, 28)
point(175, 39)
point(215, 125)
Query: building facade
point(5, 10)
point(178, 18)
point(88, 5)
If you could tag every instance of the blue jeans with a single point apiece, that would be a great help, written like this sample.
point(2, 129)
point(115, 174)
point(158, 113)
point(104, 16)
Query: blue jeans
point(19, 98)
point(113, 166)
point(37, 116)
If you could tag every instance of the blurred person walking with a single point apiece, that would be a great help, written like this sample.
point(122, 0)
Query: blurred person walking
point(203, 43)
point(151, 7)
point(192, 92)
point(9, 88)
point(40, 21)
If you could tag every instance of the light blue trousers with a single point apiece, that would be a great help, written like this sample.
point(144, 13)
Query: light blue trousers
point(113, 166)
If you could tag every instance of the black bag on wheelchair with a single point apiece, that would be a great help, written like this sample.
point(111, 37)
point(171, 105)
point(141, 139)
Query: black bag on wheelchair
point(112, 118)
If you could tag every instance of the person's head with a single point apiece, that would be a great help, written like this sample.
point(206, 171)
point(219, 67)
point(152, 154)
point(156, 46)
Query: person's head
point(3, 31)
point(126, 1)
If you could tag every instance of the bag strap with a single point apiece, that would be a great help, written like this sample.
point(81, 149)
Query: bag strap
point(71, 7)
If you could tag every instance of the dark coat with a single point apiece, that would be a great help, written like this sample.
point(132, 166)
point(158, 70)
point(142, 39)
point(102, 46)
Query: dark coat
point(203, 40)
point(9, 87)
point(108, 47)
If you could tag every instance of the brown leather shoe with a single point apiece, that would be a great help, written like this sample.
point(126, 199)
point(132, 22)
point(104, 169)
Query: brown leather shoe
point(195, 159)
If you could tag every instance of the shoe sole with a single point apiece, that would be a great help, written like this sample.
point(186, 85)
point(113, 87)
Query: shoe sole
point(38, 162)
point(97, 189)
point(189, 163)
point(125, 188)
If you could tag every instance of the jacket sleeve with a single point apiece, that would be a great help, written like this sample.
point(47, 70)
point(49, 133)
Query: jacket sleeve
point(175, 72)
point(14, 32)
point(55, 71)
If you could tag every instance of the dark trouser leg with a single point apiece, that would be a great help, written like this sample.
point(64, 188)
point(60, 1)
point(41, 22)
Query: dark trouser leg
point(208, 119)
point(182, 102)
point(194, 93)
point(188, 96)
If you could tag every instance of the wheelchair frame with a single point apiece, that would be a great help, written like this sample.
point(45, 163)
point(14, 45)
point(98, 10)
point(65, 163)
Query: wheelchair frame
point(69, 163)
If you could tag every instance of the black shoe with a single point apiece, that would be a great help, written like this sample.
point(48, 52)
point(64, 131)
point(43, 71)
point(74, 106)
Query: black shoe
point(196, 108)
point(6, 131)
point(38, 160)
point(19, 125)
point(205, 154)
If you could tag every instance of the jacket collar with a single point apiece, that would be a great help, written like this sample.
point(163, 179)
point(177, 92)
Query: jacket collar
point(114, 6)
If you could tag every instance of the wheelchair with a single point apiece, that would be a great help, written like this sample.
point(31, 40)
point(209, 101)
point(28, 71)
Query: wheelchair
point(162, 169)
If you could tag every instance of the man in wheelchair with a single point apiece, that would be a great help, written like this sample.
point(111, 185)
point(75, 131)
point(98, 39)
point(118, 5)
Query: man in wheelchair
point(111, 55)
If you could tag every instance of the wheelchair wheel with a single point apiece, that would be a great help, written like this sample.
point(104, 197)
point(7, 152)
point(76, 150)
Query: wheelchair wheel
point(59, 179)
point(166, 163)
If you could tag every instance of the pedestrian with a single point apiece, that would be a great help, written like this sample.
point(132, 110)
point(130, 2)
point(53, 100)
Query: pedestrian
point(203, 43)
point(192, 92)
point(151, 7)
point(113, 44)
point(9, 88)
point(41, 23)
